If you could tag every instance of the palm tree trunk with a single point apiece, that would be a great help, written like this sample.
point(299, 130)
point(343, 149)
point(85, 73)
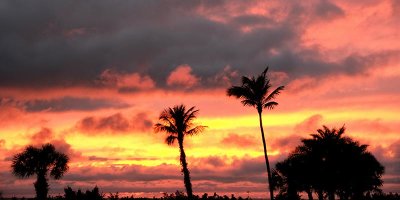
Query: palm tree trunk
point(185, 170)
point(271, 191)
point(320, 195)
point(331, 195)
point(309, 193)
point(41, 186)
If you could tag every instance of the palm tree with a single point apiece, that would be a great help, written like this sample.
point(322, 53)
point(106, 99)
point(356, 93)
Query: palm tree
point(254, 92)
point(39, 161)
point(178, 122)
point(337, 165)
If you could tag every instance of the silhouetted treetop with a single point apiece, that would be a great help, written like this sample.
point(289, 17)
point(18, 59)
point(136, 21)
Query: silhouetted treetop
point(329, 164)
point(178, 122)
point(254, 92)
point(39, 161)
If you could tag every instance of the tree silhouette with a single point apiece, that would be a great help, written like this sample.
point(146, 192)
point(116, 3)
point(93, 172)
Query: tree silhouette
point(177, 122)
point(254, 92)
point(330, 164)
point(290, 180)
point(39, 161)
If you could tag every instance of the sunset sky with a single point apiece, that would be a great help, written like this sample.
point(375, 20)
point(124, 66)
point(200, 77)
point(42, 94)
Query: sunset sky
point(92, 77)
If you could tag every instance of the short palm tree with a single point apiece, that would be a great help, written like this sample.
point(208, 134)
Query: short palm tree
point(254, 92)
point(39, 161)
point(334, 164)
point(177, 122)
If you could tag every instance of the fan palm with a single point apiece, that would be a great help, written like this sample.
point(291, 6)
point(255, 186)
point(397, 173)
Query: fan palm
point(254, 92)
point(38, 161)
point(177, 122)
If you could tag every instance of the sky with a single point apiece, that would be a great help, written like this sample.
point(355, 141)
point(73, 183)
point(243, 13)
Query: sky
point(92, 77)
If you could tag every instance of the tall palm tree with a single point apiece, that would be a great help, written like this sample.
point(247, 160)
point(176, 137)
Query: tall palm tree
point(177, 122)
point(254, 92)
point(39, 161)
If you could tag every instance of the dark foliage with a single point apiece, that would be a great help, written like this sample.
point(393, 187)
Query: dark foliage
point(40, 161)
point(94, 194)
point(329, 165)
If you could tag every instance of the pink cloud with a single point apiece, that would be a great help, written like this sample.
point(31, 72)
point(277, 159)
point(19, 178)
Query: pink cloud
point(42, 136)
point(112, 78)
point(309, 125)
point(46, 135)
point(182, 77)
point(224, 77)
point(116, 123)
point(237, 140)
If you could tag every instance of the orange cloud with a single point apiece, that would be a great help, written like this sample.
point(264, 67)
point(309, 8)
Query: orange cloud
point(239, 140)
point(182, 77)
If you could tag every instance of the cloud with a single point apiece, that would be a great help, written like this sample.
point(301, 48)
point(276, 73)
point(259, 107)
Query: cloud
point(66, 103)
point(125, 81)
point(116, 123)
point(182, 77)
point(46, 135)
point(11, 111)
point(144, 48)
point(237, 140)
point(287, 144)
point(223, 78)
point(309, 125)
point(239, 169)
point(328, 10)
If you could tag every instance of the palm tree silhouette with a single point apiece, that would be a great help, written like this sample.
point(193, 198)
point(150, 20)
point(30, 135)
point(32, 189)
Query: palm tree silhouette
point(39, 161)
point(330, 164)
point(254, 92)
point(178, 122)
point(323, 149)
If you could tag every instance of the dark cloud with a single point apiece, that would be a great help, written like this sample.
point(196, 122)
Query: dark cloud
point(326, 9)
point(246, 169)
point(61, 104)
point(60, 43)
point(116, 123)
point(71, 103)
point(97, 158)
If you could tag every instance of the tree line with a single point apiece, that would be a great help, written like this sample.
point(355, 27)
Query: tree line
point(326, 166)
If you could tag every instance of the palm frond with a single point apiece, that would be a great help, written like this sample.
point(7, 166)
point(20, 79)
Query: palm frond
point(24, 164)
point(270, 105)
point(341, 131)
point(196, 130)
point(164, 128)
point(249, 102)
point(170, 139)
point(247, 81)
point(176, 121)
point(265, 71)
point(236, 91)
point(190, 115)
point(274, 93)
point(59, 165)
